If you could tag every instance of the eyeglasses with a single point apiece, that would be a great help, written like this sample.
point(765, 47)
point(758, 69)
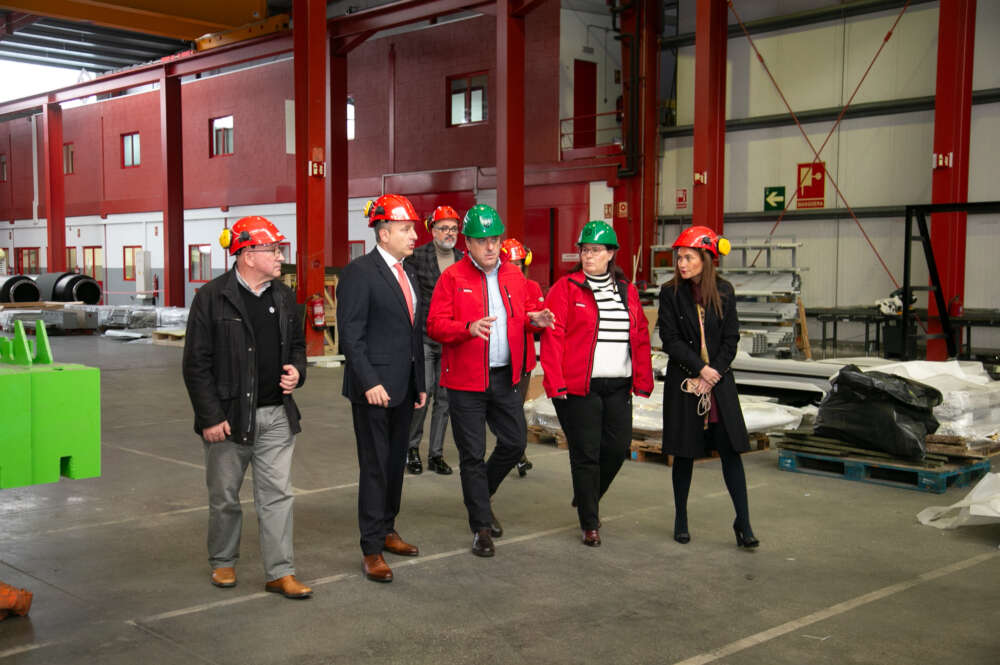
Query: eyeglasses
point(592, 250)
point(273, 249)
point(447, 230)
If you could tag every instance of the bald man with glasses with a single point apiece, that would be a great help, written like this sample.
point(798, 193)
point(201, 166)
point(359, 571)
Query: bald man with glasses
point(430, 261)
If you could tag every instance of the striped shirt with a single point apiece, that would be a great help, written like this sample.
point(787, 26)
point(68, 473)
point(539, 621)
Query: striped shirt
point(612, 356)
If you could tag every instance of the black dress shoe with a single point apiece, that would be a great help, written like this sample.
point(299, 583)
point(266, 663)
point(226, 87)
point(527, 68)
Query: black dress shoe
point(496, 529)
point(482, 544)
point(682, 537)
point(438, 465)
point(745, 538)
point(413, 463)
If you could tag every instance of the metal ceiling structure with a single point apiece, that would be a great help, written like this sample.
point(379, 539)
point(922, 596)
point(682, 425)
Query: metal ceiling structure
point(77, 45)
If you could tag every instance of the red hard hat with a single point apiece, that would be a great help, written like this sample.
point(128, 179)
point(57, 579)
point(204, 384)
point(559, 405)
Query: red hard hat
point(512, 250)
point(702, 237)
point(390, 208)
point(253, 230)
point(441, 212)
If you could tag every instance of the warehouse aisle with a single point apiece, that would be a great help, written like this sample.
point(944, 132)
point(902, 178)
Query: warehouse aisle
point(117, 564)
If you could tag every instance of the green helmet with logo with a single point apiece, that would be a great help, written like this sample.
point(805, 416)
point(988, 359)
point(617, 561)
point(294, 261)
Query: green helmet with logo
point(598, 232)
point(482, 221)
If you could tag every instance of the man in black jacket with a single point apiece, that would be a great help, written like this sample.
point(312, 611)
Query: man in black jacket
point(244, 354)
point(429, 261)
point(380, 337)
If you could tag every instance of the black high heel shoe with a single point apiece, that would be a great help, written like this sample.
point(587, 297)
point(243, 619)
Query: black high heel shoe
point(746, 538)
point(681, 534)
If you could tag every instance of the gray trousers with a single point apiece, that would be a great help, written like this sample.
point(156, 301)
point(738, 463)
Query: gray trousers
point(439, 414)
point(225, 465)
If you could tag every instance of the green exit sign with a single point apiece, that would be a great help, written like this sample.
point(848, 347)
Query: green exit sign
point(774, 198)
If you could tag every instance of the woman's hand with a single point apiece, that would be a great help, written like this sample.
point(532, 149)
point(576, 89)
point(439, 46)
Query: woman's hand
point(709, 376)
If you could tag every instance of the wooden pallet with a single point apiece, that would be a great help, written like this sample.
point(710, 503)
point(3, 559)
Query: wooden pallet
point(888, 472)
point(169, 336)
point(961, 447)
point(538, 434)
point(651, 450)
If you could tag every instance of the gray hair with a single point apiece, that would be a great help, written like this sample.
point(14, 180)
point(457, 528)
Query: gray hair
point(379, 225)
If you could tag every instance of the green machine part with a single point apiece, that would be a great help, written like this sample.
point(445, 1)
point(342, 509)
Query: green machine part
point(52, 422)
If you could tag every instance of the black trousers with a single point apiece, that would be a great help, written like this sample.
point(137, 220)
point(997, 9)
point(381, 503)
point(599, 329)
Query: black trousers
point(501, 408)
point(598, 429)
point(382, 435)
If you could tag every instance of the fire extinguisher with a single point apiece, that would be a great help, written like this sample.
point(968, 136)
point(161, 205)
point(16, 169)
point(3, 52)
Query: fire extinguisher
point(316, 310)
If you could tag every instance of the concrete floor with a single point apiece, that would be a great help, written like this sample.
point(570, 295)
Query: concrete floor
point(845, 574)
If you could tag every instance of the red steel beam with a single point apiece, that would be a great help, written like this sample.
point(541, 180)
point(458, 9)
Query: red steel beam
point(950, 180)
point(310, 153)
point(172, 188)
point(711, 35)
point(337, 248)
point(397, 14)
point(55, 190)
point(649, 54)
point(510, 118)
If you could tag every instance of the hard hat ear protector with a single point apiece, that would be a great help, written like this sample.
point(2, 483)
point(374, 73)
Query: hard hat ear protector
point(370, 210)
point(527, 259)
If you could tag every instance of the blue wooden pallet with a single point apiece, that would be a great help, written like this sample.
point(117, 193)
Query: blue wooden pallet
point(893, 474)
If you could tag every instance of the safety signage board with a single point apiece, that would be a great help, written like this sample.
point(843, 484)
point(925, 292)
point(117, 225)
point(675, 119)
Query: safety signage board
point(774, 198)
point(607, 210)
point(811, 179)
point(623, 209)
point(681, 199)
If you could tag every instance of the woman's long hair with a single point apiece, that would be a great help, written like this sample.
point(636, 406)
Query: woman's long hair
point(615, 269)
point(709, 280)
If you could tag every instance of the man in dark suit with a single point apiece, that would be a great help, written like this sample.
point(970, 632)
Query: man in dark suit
point(430, 261)
point(381, 339)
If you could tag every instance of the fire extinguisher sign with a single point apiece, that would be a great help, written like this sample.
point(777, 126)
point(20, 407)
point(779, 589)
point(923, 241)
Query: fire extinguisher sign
point(811, 183)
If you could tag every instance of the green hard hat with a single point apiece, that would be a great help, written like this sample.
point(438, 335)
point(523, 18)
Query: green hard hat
point(597, 232)
point(482, 221)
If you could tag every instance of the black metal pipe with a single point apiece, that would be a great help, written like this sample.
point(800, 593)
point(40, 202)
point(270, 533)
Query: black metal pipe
point(68, 287)
point(18, 288)
point(798, 19)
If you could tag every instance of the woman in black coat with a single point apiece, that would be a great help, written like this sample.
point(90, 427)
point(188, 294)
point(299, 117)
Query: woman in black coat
point(701, 410)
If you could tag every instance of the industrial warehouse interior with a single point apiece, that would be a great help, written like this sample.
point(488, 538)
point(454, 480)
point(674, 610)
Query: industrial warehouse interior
point(796, 196)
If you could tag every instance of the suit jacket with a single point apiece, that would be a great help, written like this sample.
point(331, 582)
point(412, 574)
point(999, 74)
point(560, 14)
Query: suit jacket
point(379, 343)
point(681, 337)
point(424, 261)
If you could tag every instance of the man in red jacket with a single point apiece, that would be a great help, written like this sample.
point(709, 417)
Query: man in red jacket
point(480, 311)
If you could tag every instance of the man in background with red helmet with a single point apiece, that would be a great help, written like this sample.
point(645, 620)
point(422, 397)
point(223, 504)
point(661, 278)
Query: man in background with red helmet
point(244, 354)
point(429, 261)
point(381, 337)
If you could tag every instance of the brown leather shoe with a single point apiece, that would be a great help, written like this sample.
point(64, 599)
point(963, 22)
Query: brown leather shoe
point(289, 587)
point(376, 569)
point(592, 537)
point(482, 543)
point(224, 577)
point(396, 545)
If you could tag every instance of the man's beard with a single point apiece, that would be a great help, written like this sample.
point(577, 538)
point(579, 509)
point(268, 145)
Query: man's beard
point(447, 243)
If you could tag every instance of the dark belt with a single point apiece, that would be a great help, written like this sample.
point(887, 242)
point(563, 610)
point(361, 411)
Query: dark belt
point(503, 368)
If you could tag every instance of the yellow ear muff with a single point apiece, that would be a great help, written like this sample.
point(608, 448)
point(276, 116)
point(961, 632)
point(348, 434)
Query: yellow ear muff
point(225, 238)
point(366, 211)
point(724, 247)
point(527, 259)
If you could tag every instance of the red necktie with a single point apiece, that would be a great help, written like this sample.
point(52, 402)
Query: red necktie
point(405, 285)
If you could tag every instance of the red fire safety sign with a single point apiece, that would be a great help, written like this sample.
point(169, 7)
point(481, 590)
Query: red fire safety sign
point(811, 179)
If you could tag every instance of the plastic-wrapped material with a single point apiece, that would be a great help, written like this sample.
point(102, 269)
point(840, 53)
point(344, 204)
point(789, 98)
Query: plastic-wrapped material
point(171, 317)
point(970, 406)
point(879, 411)
point(141, 317)
point(980, 506)
point(762, 414)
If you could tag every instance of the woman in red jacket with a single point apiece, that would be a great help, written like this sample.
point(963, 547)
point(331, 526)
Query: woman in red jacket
point(595, 356)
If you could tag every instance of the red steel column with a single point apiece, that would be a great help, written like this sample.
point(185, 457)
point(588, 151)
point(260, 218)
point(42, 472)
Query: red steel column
point(172, 178)
point(950, 181)
point(55, 190)
point(709, 113)
point(310, 64)
point(649, 60)
point(338, 249)
point(510, 118)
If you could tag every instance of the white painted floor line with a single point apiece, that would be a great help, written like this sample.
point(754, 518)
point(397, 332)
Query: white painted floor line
point(159, 457)
point(715, 495)
point(832, 611)
point(28, 647)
